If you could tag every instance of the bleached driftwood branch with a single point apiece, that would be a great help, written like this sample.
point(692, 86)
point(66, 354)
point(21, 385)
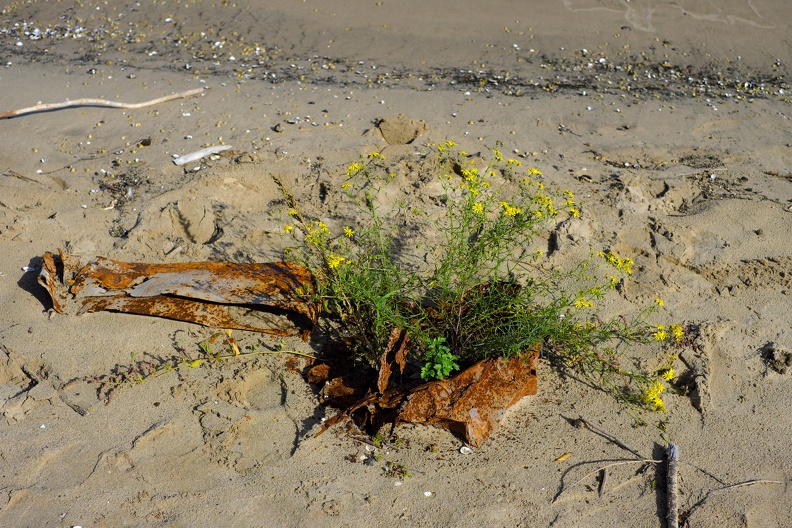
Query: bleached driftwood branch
point(98, 102)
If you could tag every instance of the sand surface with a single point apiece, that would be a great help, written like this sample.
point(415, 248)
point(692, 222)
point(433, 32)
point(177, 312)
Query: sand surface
point(669, 120)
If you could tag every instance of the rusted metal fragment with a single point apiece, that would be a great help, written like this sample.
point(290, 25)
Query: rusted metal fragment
point(472, 403)
point(396, 353)
point(268, 298)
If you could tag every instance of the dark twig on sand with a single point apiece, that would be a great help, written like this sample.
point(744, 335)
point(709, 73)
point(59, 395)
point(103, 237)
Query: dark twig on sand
point(98, 102)
point(610, 436)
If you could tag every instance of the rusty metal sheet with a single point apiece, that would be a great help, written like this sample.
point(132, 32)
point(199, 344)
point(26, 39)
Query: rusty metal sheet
point(470, 404)
point(395, 354)
point(266, 297)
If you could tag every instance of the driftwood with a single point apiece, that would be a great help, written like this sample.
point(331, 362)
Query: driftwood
point(98, 102)
point(672, 511)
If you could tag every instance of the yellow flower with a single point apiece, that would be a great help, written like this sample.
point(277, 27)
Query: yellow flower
point(534, 172)
point(583, 303)
point(376, 155)
point(678, 332)
point(660, 334)
point(659, 302)
point(574, 212)
point(334, 260)
point(667, 373)
point(510, 210)
point(317, 232)
point(652, 396)
point(288, 228)
point(354, 169)
point(514, 162)
point(478, 208)
point(611, 258)
point(627, 266)
point(292, 212)
point(346, 185)
point(348, 231)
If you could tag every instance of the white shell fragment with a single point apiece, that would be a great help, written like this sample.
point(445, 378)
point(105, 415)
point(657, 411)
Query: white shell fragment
point(198, 154)
point(465, 450)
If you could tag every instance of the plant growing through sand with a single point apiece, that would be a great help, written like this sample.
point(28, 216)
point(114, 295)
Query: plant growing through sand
point(481, 290)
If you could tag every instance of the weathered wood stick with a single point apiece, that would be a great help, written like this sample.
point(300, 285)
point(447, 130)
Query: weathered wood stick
point(98, 102)
point(672, 459)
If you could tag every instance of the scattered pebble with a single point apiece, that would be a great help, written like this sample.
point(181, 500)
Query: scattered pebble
point(465, 450)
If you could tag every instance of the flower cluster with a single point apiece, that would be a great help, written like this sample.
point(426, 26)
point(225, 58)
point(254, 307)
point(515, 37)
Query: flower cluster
point(333, 261)
point(677, 331)
point(472, 181)
point(651, 396)
point(316, 233)
point(611, 258)
point(509, 210)
point(442, 147)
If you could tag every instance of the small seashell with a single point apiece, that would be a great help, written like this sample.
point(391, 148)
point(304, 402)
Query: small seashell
point(428, 493)
point(465, 450)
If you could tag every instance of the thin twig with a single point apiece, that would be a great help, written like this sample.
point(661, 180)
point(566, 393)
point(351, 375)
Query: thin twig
point(610, 436)
point(617, 463)
point(724, 488)
point(98, 102)
point(672, 513)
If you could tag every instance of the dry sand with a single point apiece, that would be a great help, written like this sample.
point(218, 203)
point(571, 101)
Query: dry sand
point(671, 120)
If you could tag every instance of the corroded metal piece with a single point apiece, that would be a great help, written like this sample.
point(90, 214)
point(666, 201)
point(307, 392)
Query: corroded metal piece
point(272, 298)
point(470, 404)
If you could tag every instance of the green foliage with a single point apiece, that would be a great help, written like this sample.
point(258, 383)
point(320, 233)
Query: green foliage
point(482, 290)
point(439, 361)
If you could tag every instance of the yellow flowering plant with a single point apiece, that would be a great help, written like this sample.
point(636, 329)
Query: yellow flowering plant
point(482, 291)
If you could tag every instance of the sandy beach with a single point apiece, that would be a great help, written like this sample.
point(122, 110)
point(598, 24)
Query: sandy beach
point(670, 121)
